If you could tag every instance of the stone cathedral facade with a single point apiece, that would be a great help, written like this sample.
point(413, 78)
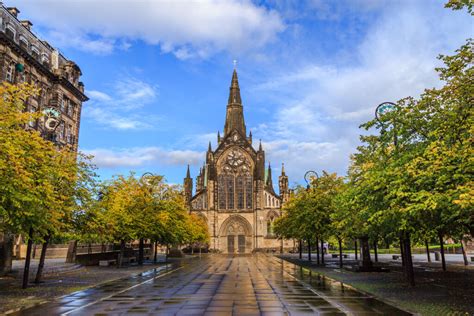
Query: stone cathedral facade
point(234, 189)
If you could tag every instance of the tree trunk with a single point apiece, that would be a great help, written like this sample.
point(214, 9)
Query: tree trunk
point(155, 256)
point(376, 257)
point(300, 245)
point(121, 254)
point(309, 250)
point(441, 245)
point(192, 249)
point(140, 251)
point(355, 249)
point(409, 262)
point(33, 253)
point(317, 251)
point(427, 251)
point(6, 259)
point(26, 271)
point(39, 273)
point(102, 248)
point(365, 254)
point(340, 252)
point(89, 248)
point(322, 251)
point(71, 252)
point(402, 252)
point(464, 255)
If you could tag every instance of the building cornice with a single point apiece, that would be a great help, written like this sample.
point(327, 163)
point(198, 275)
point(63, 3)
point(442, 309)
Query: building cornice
point(42, 68)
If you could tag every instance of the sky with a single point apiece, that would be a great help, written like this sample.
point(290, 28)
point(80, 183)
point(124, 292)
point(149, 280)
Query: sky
point(310, 72)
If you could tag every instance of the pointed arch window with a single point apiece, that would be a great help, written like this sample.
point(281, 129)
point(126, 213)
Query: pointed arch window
point(235, 191)
point(240, 192)
point(270, 226)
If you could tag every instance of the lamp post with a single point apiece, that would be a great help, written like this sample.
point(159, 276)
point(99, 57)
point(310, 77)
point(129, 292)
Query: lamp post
point(145, 178)
point(310, 177)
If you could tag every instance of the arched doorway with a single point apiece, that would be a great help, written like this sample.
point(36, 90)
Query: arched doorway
point(236, 235)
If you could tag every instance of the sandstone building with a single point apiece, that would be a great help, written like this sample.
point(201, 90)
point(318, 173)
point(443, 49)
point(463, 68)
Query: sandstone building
point(26, 58)
point(234, 189)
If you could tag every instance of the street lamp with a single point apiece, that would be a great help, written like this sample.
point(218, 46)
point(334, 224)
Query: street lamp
point(383, 109)
point(309, 177)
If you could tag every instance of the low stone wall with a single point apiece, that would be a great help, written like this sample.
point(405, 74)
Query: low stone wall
point(93, 259)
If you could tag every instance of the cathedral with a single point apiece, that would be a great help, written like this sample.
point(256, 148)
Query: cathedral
point(234, 189)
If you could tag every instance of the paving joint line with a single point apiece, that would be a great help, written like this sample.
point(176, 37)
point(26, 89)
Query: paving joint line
point(120, 292)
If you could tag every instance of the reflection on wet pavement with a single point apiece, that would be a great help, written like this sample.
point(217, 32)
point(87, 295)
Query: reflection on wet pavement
point(221, 285)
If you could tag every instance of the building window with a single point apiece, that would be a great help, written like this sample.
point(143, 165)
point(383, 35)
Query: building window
point(234, 192)
point(270, 226)
point(230, 191)
point(32, 123)
point(63, 105)
point(248, 191)
point(45, 59)
point(24, 44)
point(240, 192)
point(61, 131)
point(10, 32)
point(23, 76)
point(35, 52)
point(221, 192)
point(10, 73)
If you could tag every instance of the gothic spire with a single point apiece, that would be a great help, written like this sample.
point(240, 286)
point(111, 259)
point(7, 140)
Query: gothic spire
point(282, 169)
point(234, 116)
point(188, 174)
point(260, 146)
point(269, 177)
point(209, 148)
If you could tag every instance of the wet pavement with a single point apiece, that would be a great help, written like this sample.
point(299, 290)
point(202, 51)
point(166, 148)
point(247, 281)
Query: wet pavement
point(220, 285)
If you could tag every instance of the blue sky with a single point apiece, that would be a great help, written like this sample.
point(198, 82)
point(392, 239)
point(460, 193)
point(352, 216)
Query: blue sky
point(158, 72)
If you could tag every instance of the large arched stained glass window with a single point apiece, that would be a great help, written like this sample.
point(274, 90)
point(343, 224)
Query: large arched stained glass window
point(221, 192)
point(235, 192)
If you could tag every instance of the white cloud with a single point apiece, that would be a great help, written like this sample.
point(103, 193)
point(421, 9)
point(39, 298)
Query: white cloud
point(320, 106)
point(143, 156)
point(185, 28)
point(120, 109)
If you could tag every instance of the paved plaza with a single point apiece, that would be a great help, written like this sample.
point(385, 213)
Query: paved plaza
point(220, 285)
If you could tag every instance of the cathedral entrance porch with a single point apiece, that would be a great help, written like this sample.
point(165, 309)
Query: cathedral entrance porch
point(235, 236)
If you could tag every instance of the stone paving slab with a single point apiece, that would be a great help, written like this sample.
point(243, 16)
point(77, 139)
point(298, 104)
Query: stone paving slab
point(221, 285)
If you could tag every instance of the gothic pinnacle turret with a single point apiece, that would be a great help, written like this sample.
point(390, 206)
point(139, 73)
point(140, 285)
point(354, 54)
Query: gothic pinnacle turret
point(235, 113)
point(283, 185)
point(188, 188)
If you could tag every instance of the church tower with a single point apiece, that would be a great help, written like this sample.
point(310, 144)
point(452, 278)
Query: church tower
point(234, 191)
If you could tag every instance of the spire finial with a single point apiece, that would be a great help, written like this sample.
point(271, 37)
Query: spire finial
point(188, 173)
point(260, 146)
point(282, 168)
point(210, 148)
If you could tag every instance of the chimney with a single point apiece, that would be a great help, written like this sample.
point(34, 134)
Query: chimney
point(27, 24)
point(13, 11)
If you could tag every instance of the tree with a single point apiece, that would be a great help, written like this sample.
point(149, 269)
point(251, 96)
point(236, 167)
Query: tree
point(37, 179)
